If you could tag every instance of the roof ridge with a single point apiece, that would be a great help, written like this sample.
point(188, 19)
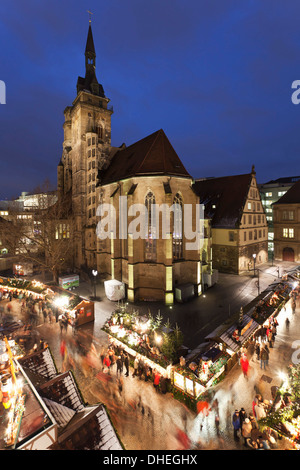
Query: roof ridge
point(147, 153)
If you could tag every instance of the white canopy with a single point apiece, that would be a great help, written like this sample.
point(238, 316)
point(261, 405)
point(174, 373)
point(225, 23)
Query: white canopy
point(114, 290)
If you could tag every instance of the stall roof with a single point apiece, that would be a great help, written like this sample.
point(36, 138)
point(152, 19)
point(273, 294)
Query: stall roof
point(80, 426)
point(226, 337)
point(41, 363)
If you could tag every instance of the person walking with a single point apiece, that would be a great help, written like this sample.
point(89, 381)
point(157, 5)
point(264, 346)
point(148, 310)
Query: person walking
point(61, 323)
point(243, 416)
point(119, 366)
point(102, 354)
point(263, 358)
point(126, 363)
point(245, 365)
point(268, 354)
point(259, 411)
point(156, 380)
point(236, 422)
point(62, 349)
point(246, 430)
point(106, 363)
point(45, 315)
point(271, 339)
point(135, 366)
point(257, 350)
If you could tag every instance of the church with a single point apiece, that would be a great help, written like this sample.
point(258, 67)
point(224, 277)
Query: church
point(157, 266)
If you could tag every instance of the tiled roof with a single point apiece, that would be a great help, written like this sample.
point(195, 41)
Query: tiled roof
point(40, 362)
point(292, 196)
point(89, 430)
point(63, 390)
point(224, 198)
point(153, 155)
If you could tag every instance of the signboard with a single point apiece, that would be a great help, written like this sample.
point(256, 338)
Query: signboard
point(68, 282)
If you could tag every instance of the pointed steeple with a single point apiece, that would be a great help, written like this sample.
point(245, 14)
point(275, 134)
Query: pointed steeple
point(90, 82)
point(90, 48)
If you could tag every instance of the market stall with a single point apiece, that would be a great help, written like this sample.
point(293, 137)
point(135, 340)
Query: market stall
point(11, 392)
point(191, 378)
point(272, 302)
point(238, 334)
point(19, 288)
point(71, 305)
point(157, 344)
point(83, 312)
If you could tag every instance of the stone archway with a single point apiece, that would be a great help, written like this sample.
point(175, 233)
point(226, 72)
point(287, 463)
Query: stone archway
point(288, 254)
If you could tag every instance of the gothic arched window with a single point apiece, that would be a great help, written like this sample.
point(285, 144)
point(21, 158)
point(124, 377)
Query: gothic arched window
point(150, 236)
point(177, 228)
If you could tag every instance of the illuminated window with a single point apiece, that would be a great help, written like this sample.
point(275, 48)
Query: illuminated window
point(291, 233)
point(150, 238)
point(288, 215)
point(62, 231)
point(177, 228)
point(285, 233)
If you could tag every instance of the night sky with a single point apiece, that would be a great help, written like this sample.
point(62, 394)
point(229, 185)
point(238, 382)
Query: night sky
point(215, 75)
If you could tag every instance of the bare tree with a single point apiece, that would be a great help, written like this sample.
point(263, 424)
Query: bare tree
point(42, 233)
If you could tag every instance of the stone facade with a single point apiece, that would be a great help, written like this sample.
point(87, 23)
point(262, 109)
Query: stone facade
point(154, 275)
point(286, 217)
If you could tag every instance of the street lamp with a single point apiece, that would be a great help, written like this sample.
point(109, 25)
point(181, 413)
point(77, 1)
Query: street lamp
point(254, 259)
point(95, 272)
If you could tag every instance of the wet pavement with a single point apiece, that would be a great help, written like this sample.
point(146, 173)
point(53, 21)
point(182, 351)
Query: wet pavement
point(148, 420)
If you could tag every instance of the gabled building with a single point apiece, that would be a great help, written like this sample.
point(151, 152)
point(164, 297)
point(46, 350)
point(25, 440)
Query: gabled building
point(238, 221)
point(286, 219)
point(270, 193)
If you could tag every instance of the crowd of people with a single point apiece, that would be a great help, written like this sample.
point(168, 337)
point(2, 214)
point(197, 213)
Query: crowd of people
point(245, 426)
point(260, 346)
point(116, 358)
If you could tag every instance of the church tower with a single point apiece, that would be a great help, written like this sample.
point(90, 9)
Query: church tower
point(86, 149)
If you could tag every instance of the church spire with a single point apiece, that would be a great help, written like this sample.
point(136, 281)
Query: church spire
point(90, 53)
point(90, 82)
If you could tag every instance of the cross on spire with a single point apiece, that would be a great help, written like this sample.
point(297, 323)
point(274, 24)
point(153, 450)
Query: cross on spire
point(90, 16)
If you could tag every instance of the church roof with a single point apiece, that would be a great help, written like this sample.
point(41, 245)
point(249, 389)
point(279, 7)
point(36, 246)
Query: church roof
point(292, 196)
point(153, 155)
point(224, 198)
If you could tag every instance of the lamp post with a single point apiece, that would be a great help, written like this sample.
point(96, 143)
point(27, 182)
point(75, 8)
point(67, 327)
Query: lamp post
point(95, 272)
point(254, 259)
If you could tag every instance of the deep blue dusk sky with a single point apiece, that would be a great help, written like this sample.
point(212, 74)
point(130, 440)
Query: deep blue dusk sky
point(215, 75)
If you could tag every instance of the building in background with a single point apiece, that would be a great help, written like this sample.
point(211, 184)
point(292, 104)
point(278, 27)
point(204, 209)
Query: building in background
point(238, 221)
point(270, 192)
point(286, 219)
